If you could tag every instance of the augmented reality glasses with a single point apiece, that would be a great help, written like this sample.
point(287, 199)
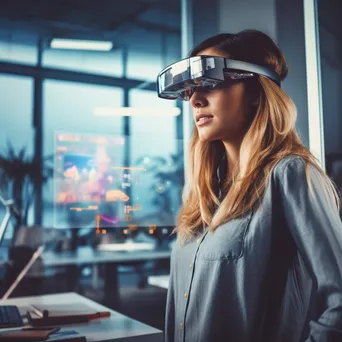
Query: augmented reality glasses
point(205, 73)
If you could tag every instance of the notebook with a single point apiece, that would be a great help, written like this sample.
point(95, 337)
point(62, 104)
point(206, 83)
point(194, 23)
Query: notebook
point(42, 334)
point(70, 309)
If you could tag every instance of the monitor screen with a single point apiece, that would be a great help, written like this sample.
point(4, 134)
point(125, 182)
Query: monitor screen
point(96, 186)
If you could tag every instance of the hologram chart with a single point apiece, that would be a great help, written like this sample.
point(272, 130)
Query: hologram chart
point(93, 187)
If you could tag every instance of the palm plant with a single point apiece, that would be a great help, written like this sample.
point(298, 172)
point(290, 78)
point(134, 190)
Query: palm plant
point(19, 177)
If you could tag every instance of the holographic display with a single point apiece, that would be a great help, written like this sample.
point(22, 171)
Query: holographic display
point(95, 187)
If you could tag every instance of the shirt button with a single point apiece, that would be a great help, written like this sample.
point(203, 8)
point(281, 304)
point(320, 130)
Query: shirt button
point(185, 295)
point(181, 325)
point(198, 240)
point(190, 265)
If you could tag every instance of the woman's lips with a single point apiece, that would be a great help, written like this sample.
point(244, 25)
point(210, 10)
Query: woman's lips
point(204, 120)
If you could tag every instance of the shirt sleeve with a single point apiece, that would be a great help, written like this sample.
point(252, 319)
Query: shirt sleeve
point(314, 222)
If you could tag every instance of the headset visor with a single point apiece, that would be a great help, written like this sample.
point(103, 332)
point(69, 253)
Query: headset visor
point(181, 79)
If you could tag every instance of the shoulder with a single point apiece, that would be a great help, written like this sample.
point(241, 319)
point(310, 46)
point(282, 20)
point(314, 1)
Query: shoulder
point(296, 174)
point(295, 169)
point(301, 182)
point(292, 164)
point(289, 160)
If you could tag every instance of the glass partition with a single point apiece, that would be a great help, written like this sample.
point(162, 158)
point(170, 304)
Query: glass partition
point(72, 107)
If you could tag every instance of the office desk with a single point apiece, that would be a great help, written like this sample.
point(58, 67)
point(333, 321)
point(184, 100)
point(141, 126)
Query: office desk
point(159, 280)
point(118, 328)
point(110, 259)
point(88, 255)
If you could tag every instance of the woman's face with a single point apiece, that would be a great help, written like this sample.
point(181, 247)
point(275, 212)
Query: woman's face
point(230, 110)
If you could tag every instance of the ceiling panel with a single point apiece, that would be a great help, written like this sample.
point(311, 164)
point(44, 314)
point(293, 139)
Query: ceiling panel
point(93, 19)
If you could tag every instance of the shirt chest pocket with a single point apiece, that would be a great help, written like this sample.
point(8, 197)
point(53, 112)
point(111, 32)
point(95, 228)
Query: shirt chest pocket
point(227, 242)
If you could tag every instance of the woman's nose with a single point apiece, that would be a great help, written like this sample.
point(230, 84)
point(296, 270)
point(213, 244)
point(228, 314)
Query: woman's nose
point(198, 99)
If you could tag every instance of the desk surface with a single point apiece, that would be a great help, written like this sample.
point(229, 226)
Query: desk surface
point(88, 255)
point(159, 280)
point(115, 328)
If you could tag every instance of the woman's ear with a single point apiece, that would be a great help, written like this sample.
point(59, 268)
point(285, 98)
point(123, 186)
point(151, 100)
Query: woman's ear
point(255, 100)
point(253, 92)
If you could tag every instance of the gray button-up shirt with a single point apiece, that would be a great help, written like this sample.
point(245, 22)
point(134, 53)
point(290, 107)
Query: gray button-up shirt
point(255, 278)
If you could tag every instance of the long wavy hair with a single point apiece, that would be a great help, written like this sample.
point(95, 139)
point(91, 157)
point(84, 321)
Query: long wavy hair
point(271, 136)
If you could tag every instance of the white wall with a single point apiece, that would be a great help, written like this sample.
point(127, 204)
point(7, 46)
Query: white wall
point(237, 15)
point(284, 22)
point(205, 19)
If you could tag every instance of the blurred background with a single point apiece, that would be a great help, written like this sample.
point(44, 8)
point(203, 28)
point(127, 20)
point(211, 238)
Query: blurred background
point(92, 158)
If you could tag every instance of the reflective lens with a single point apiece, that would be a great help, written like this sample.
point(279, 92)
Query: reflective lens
point(202, 73)
point(185, 95)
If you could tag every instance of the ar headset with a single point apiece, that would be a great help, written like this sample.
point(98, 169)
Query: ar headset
point(180, 80)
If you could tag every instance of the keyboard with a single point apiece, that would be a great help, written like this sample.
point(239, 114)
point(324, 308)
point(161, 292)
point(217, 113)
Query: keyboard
point(10, 316)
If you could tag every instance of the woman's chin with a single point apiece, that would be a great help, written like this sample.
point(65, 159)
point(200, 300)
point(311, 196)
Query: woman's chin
point(206, 137)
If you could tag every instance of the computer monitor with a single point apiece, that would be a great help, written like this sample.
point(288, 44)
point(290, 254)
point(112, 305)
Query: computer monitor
point(95, 186)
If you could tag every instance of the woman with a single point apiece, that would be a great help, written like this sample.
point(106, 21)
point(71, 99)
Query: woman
point(259, 250)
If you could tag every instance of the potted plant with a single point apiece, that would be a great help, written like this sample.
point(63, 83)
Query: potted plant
point(19, 176)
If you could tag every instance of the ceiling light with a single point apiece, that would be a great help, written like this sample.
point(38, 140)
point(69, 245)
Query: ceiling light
point(80, 44)
point(131, 111)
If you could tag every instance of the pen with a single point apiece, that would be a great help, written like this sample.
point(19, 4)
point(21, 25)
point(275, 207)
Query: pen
point(99, 315)
point(36, 311)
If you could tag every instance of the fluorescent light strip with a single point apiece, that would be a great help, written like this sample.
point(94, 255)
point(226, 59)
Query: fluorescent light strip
point(131, 111)
point(79, 44)
point(315, 108)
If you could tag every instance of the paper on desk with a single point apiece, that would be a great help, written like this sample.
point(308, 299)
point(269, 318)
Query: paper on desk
point(23, 309)
point(65, 309)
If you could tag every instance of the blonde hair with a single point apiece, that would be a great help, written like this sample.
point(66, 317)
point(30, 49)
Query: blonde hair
point(271, 136)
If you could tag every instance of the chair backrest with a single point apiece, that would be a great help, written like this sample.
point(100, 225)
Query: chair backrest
point(17, 280)
point(18, 257)
point(30, 236)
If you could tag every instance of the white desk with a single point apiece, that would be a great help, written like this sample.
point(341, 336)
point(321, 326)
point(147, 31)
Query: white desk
point(117, 327)
point(159, 280)
point(88, 255)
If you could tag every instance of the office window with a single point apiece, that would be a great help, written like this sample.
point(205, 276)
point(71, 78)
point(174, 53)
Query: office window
point(16, 106)
point(17, 48)
point(143, 65)
point(145, 55)
point(16, 121)
point(79, 123)
point(96, 62)
point(154, 147)
point(73, 109)
point(163, 124)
